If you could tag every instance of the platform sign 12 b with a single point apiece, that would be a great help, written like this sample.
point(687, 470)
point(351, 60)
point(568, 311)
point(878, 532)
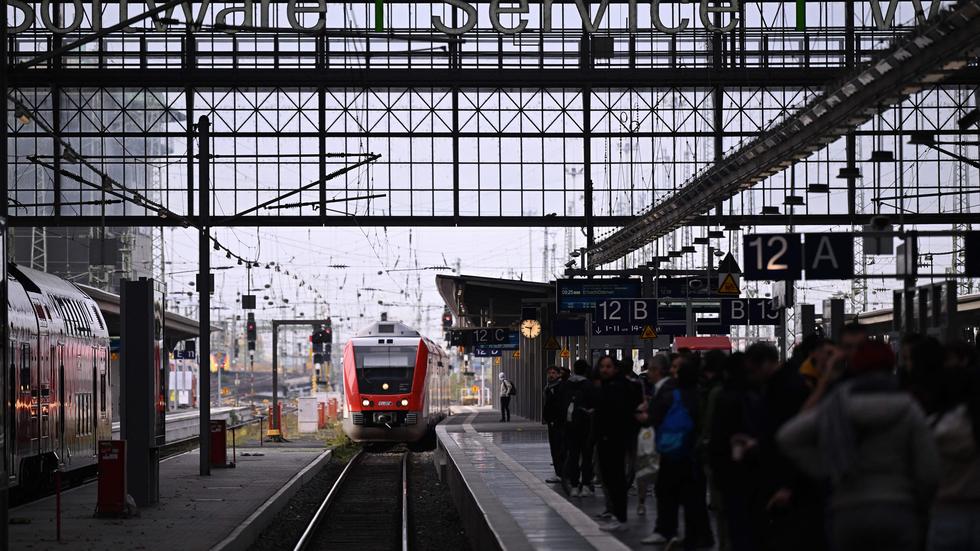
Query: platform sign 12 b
point(624, 316)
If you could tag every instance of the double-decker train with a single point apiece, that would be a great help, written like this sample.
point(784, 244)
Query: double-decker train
point(396, 384)
point(59, 403)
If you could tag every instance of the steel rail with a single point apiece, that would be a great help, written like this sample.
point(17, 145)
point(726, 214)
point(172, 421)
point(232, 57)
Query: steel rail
point(304, 540)
point(405, 501)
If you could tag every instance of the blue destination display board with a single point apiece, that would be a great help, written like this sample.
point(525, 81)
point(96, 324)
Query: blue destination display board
point(581, 295)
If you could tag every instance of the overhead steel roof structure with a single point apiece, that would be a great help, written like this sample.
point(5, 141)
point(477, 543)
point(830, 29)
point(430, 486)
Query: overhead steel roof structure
point(926, 56)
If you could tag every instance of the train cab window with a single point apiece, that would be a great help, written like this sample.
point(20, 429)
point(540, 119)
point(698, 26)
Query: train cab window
point(379, 365)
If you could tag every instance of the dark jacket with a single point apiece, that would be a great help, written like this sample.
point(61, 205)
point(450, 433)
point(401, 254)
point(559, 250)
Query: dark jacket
point(553, 412)
point(615, 420)
point(579, 397)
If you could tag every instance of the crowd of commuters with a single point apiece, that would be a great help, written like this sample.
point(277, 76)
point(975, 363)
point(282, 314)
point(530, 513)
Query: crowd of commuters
point(844, 446)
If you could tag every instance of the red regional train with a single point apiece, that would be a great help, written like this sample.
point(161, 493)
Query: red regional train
point(396, 384)
point(60, 404)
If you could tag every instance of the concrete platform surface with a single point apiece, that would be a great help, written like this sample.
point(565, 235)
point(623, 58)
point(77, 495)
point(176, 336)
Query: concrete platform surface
point(194, 513)
point(504, 466)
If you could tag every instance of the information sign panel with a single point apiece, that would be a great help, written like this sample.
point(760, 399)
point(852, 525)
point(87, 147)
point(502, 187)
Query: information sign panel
point(581, 295)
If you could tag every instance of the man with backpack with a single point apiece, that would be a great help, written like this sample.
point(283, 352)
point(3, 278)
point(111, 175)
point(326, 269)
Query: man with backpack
point(674, 414)
point(507, 389)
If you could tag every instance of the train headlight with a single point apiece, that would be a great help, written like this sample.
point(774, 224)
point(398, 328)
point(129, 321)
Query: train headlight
point(405, 402)
point(384, 386)
point(365, 403)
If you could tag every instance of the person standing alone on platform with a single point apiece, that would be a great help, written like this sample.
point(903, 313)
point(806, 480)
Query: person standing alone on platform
point(614, 426)
point(506, 391)
point(554, 417)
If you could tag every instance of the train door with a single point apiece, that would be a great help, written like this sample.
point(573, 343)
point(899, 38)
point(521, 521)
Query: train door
point(41, 396)
point(64, 448)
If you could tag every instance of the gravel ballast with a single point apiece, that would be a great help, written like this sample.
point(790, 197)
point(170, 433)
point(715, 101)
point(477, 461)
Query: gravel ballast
point(434, 523)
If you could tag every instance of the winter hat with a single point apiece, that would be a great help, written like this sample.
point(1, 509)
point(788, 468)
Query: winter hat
point(501, 376)
point(872, 356)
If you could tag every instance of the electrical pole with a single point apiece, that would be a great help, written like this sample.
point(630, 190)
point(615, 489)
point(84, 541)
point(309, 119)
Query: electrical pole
point(204, 292)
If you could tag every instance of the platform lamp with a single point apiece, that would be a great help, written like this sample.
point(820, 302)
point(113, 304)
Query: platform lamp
point(882, 156)
point(922, 137)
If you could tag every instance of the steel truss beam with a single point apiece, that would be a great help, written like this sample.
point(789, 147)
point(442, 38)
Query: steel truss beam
point(464, 79)
point(268, 221)
point(926, 56)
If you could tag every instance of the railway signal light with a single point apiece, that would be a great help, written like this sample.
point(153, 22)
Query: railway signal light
point(250, 331)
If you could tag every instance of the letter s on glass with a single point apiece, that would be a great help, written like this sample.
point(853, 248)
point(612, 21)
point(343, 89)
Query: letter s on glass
point(468, 9)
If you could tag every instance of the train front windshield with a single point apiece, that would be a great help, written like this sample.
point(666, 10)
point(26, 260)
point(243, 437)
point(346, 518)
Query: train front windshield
point(385, 369)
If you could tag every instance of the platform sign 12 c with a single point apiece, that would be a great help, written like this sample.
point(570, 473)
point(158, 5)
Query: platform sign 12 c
point(626, 316)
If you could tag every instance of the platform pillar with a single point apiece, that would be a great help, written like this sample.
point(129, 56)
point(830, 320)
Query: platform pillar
point(139, 391)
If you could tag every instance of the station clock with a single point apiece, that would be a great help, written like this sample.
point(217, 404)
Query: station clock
point(531, 328)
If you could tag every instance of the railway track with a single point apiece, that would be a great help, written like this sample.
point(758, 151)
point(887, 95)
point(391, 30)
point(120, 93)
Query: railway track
point(366, 509)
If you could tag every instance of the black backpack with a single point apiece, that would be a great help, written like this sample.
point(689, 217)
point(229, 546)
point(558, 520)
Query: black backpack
point(513, 388)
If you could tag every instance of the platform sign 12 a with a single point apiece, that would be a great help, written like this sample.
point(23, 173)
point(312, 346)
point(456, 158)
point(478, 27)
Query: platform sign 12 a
point(776, 256)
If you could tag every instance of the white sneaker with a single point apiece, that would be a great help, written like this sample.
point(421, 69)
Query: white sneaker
point(553, 480)
point(588, 491)
point(654, 539)
point(575, 493)
point(605, 515)
point(614, 526)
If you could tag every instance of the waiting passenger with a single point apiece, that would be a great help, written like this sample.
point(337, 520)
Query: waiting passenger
point(506, 391)
point(578, 405)
point(675, 416)
point(872, 442)
point(554, 417)
point(955, 422)
point(614, 425)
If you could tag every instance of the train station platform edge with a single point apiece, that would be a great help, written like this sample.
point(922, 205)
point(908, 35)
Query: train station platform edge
point(224, 511)
point(504, 505)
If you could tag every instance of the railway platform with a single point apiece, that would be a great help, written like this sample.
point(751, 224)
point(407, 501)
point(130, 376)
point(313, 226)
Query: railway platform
point(225, 511)
point(496, 473)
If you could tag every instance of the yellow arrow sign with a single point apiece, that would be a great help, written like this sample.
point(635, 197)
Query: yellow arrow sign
point(565, 354)
point(648, 333)
point(516, 354)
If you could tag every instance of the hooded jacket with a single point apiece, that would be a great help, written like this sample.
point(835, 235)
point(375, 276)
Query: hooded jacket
point(960, 457)
point(880, 452)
